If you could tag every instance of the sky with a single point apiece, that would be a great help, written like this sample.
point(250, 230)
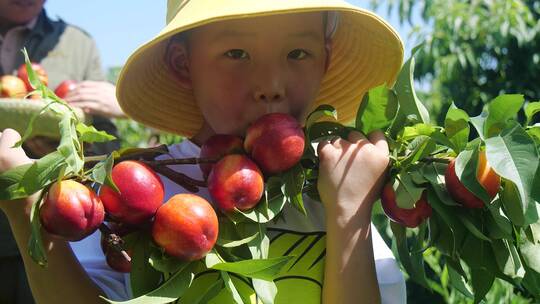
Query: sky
point(120, 26)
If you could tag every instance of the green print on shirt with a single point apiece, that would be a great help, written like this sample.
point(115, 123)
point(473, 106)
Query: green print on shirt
point(300, 281)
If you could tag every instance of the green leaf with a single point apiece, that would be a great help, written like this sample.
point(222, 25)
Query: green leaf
point(89, 134)
point(458, 282)
point(325, 110)
point(235, 243)
point(237, 297)
point(69, 146)
point(420, 147)
point(144, 277)
point(534, 231)
point(412, 262)
point(32, 77)
point(210, 292)
point(163, 262)
point(513, 156)
point(419, 129)
point(407, 193)
point(508, 259)
point(23, 181)
point(292, 189)
point(466, 170)
point(530, 110)
point(456, 126)
point(264, 269)
point(535, 194)
point(532, 283)
point(471, 223)
point(451, 227)
point(377, 109)
point(534, 133)
point(498, 225)
point(212, 258)
point(514, 209)
point(266, 290)
point(101, 173)
point(326, 129)
point(167, 292)
point(481, 281)
point(36, 250)
point(479, 122)
point(531, 255)
point(409, 104)
point(500, 110)
point(434, 173)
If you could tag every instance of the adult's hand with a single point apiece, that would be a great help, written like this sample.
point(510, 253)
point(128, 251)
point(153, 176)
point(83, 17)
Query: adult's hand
point(96, 98)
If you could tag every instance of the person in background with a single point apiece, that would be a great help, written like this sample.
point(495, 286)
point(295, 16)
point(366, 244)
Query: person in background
point(65, 52)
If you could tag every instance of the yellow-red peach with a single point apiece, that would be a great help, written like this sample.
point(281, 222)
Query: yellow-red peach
point(140, 193)
point(218, 146)
point(236, 182)
point(186, 227)
point(407, 217)
point(275, 142)
point(71, 210)
point(485, 175)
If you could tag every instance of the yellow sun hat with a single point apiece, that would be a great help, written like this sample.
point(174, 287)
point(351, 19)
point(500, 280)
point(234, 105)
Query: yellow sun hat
point(366, 52)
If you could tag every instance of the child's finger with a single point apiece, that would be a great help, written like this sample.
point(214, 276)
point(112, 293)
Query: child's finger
point(377, 138)
point(355, 136)
point(8, 138)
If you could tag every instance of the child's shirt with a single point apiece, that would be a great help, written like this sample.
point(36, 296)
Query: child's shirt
point(300, 281)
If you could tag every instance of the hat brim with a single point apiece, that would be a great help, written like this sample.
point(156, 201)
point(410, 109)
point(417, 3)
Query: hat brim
point(366, 52)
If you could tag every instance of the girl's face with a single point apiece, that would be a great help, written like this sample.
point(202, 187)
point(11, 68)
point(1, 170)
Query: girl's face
point(242, 69)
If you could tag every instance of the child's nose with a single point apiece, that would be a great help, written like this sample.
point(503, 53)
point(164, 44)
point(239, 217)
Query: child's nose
point(268, 95)
point(269, 86)
point(272, 91)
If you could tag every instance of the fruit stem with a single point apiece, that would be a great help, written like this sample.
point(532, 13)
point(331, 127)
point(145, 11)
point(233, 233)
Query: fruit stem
point(435, 160)
point(114, 240)
point(181, 179)
point(144, 153)
point(181, 161)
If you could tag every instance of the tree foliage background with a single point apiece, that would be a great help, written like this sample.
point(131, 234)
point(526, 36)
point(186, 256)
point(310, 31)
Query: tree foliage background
point(472, 51)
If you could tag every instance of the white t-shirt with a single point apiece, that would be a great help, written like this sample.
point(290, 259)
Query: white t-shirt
point(115, 284)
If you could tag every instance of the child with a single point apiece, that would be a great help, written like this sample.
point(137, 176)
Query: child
point(215, 68)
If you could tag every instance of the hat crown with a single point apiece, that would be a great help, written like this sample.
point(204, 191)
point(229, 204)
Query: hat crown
point(173, 7)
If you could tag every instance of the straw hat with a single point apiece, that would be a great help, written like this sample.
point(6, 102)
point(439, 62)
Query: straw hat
point(366, 52)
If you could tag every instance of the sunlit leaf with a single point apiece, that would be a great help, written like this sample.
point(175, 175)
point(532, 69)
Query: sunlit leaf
point(500, 111)
point(377, 109)
point(168, 291)
point(89, 134)
point(513, 155)
point(456, 125)
point(530, 110)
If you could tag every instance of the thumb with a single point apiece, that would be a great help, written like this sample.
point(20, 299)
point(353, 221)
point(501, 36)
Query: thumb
point(10, 156)
point(8, 138)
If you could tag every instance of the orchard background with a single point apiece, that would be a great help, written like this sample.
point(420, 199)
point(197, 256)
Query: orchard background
point(472, 52)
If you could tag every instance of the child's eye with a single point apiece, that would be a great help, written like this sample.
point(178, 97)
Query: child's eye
point(298, 54)
point(237, 54)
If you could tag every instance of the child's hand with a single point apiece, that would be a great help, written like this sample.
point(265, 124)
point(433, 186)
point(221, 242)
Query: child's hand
point(11, 157)
point(351, 174)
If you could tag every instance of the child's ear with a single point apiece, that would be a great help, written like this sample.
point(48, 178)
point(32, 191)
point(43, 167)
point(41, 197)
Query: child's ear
point(177, 60)
point(328, 49)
